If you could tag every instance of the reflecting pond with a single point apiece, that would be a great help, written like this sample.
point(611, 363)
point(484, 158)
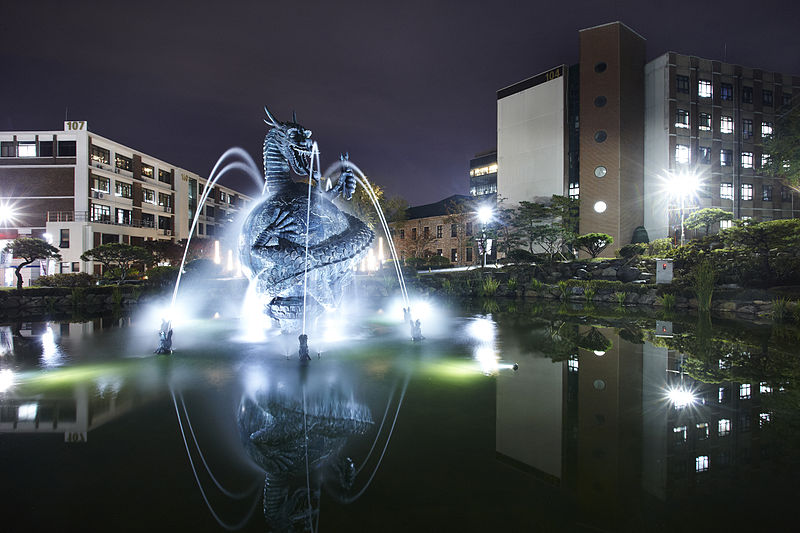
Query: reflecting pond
point(611, 421)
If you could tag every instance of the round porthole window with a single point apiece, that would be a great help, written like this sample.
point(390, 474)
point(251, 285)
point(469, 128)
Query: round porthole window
point(599, 384)
point(600, 136)
point(600, 171)
point(600, 206)
point(600, 67)
point(600, 101)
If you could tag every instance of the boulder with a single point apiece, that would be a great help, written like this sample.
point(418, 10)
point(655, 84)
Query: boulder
point(627, 274)
point(609, 272)
point(582, 273)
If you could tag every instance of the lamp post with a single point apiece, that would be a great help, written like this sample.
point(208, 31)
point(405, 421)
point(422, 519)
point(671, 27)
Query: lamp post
point(683, 185)
point(484, 215)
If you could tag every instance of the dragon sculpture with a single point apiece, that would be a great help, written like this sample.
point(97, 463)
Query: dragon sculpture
point(273, 239)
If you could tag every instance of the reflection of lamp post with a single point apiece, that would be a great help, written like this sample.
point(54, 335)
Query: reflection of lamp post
point(683, 185)
point(484, 215)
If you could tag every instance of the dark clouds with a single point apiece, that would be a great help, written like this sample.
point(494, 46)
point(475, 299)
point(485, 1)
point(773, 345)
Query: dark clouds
point(408, 88)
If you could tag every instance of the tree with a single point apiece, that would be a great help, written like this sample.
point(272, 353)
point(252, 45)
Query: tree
point(166, 251)
point(549, 226)
point(394, 208)
point(118, 256)
point(593, 243)
point(783, 148)
point(460, 214)
point(29, 250)
point(706, 217)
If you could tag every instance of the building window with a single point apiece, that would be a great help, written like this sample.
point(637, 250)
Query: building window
point(402, 234)
point(600, 101)
point(64, 239)
point(413, 234)
point(744, 391)
point(101, 213)
point(704, 89)
point(66, 149)
point(122, 162)
point(763, 418)
point(125, 190)
point(681, 154)
point(469, 255)
point(600, 136)
point(101, 184)
point(747, 159)
point(747, 193)
point(682, 84)
point(123, 216)
point(726, 125)
point(701, 463)
point(725, 224)
point(45, 148)
point(747, 95)
point(786, 193)
point(426, 232)
point(722, 395)
point(747, 128)
point(210, 211)
point(766, 193)
point(468, 231)
point(453, 230)
point(209, 229)
point(100, 155)
point(702, 430)
point(165, 176)
point(766, 98)
point(766, 129)
point(704, 122)
point(164, 223)
point(726, 158)
point(439, 252)
point(600, 67)
point(704, 153)
point(763, 388)
point(453, 255)
point(26, 149)
point(681, 118)
point(726, 91)
point(149, 196)
point(766, 160)
point(787, 99)
point(148, 171)
point(148, 220)
point(7, 149)
point(679, 434)
point(76, 266)
point(574, 191)
point(726, 191)
point(439, 232)
point(724, 427)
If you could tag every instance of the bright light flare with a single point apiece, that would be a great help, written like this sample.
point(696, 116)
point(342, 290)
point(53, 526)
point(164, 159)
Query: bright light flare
point(482, 330)
point(681, 397)
point(488, 359)
point(683, 184)
point(8, 212)
point(6, 380)
point(485, 214)
point(51, 354)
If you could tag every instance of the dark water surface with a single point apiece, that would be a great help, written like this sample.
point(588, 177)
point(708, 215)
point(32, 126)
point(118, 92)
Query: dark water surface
point(612, 422)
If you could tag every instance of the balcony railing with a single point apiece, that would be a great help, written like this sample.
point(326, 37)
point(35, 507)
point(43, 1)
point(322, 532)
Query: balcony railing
point(84, 216)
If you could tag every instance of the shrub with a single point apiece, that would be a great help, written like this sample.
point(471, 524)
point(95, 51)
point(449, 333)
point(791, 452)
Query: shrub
point(511, 284)
point(78, 279)
point(489, 286)
point(779, 309)
point(703, 281)
point(447, 286)
point(536, 285)
point(520, 256)
point(667, 301)
point(631, 250)
point(162, 276)
point(588, 293)
point(660, 247)
point(563, 287)
point(438, 261)
point(620, 297)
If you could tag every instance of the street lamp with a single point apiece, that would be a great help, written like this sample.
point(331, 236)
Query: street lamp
point(485, 214)
point(683, 185)
point(7, 212)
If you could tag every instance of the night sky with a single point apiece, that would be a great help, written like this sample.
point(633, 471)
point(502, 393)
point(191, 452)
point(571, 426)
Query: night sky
point(408, 88)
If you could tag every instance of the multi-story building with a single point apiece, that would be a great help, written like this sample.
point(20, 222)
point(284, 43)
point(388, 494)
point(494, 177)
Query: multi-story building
point(617, 132)
point(79, 190)
point(448, 228)
point(483, 174)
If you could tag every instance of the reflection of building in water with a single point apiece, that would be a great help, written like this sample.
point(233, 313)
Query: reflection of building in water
point(601, 424)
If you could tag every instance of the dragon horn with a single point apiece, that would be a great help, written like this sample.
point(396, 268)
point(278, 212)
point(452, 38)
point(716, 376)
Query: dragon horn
point(294, 116)
point(271, 120)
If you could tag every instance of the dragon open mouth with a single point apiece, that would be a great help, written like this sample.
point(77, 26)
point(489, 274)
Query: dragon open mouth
point(301, 160)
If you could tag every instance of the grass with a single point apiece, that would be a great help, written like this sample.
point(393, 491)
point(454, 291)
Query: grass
point(489, 286)
point(563, 287)
point(780, 309)
point(620, 297)
point(667, 301)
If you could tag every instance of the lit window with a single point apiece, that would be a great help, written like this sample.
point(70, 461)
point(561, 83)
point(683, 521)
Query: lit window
point(705, 155)
point(681, 154)
point(100, 184)
point(747, 159)
point(704, 89)
point(701, 463)
point(726, 191)
point(149, 196)
point(744, 391)
point(27, 411)
point(100, 155)
point(681, 118)
point(766, 193)
point(766, 98)
point(125, 163)
point(725, 224)
point(679, 433)
point(702, 430)
point(747, 128)
point(763, 418)
point(704, 122)
point(747, 194)
point(682, 84)
point(747, 95)
point(763, 388)
point(164, 176)
point(124, 190)
point(766, 129)
point(439, 232)
point(101, 213)
point(148, 171)
point(726, 158)
point(726, 91)
point(724, 427)
point(572, 364)
point(574, 191)
point(26, 149)
point(766, 160)
point(493, 168)
point(453, 255)
point(722, 395)
point(726, 125)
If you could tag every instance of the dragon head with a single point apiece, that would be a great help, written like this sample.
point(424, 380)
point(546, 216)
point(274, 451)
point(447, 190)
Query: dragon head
point(293, 141)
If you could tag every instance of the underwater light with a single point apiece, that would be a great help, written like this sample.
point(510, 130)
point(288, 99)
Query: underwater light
point(6, 380)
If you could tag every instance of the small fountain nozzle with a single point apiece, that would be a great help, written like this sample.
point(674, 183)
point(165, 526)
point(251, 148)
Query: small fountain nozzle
point(165, 337)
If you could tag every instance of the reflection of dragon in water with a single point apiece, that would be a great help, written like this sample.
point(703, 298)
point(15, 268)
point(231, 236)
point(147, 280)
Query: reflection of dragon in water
point(276, 430)
point(272, 243)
